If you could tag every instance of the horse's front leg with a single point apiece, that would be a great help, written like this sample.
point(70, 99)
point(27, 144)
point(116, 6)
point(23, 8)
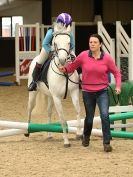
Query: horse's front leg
point(75, 99)
point(59, 109)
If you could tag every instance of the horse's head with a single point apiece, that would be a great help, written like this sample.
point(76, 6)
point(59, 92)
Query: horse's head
point(61, 43)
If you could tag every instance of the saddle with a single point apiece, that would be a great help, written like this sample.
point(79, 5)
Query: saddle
point(44, 70)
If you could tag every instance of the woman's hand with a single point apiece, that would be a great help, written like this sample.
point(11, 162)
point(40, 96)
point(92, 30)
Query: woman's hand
point(62, 69)
point(117, 91)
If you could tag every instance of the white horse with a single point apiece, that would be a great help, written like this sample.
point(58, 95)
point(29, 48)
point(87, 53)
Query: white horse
point(57, 82)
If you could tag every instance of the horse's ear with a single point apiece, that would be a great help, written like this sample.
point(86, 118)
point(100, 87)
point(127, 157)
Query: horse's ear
point(69, 29)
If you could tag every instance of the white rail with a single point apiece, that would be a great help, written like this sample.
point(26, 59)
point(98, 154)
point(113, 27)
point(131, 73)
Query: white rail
point(26, 49)
point(28, 41)
point(131, 54)
point(109, 43)
point(124, 47)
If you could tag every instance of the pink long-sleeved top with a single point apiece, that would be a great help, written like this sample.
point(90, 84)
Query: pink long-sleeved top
point(95, 71)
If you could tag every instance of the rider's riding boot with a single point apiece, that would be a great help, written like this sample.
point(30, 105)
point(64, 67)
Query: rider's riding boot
point(35, 75)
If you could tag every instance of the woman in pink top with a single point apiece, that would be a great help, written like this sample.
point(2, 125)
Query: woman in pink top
point(95, 64)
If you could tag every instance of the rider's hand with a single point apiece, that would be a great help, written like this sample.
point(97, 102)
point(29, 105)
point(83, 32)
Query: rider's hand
point(62, 69)
point(117, 91)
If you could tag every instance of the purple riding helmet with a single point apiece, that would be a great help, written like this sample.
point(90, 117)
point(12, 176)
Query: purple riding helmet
point(64, 18)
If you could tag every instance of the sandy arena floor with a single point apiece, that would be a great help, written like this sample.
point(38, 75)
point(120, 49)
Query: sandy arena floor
point(38, 156)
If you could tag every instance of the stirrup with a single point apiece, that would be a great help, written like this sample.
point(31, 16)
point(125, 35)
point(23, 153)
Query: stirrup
point(32, 86)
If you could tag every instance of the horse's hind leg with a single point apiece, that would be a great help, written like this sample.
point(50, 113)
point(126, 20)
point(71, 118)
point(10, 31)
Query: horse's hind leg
point(75, 99)
point(31, 105)
point(49, 110)
point(59, 110)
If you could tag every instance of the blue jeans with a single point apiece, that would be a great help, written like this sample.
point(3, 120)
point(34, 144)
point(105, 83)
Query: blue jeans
point(90, 100)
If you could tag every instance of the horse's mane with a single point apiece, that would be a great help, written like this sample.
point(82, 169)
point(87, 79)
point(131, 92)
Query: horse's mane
point(60, 28)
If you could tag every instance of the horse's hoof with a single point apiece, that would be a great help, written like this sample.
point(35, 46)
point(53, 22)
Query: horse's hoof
point(49, 137)
point(27, 134)
point(67, 145)
point(79, 137)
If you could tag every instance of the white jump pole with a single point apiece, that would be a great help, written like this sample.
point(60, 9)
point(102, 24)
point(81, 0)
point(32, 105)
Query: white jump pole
point(11, 132)
point(95, 132)
point(74, 123)
point(70, 123)
point(129, 125)
point(17, 125)
point(22, 125)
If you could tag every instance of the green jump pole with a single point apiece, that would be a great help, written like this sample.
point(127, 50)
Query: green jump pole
point(121, 116)
point(45, 127)
point(56, 127)
point(122, 134)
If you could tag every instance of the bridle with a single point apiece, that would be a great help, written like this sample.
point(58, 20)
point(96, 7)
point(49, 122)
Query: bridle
point(56, 49)
point(68, 59)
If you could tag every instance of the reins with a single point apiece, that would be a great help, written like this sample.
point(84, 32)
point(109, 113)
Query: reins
point(116, 101)
point(55, 54)
point(68, 79)
point(64, 75)
point(79, 83)
point(118, 97)
point(66, 90)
